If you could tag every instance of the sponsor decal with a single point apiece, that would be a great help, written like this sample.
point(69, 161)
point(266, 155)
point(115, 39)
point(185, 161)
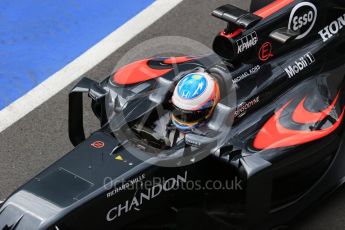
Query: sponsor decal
point(140, 198)
point(302, 63)
point(247, 42)
point(98, 144)
point(244, 107)
point(246, 74)
point(265, 52)
point(332, 29)
point(275, 134)
point(126, 185)
point(302, 18)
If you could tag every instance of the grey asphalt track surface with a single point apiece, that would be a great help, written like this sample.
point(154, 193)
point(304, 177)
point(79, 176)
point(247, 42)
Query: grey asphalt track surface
point(40, 138)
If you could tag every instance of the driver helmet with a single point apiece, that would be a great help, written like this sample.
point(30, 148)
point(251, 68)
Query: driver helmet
point(195, 98)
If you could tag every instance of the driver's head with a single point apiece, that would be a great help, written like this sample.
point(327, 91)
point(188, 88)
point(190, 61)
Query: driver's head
point(194, 100)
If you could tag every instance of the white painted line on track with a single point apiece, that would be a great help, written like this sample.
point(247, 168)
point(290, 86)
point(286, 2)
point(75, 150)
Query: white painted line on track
point(71, 72)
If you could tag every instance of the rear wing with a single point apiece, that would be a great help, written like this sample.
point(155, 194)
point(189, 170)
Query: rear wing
point(236, 17)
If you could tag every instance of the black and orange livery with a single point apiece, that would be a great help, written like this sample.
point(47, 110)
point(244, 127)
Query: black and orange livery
point(278, 129)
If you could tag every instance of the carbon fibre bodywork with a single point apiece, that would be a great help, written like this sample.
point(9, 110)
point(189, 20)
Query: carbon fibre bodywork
point(278, 129)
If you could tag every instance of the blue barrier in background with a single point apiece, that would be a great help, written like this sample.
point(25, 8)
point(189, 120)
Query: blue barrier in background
point(39, 37)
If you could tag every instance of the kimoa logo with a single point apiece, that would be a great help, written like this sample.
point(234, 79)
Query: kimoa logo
point(302, 18)
point(299, 65)
point(332, 29)
point(139, 199)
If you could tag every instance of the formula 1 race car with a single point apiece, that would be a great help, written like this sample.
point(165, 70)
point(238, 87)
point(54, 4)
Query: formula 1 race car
point(269, 118)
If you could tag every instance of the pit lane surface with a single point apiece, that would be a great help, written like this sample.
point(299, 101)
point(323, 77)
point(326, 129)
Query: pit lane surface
point(40, 138)
point(30, 31)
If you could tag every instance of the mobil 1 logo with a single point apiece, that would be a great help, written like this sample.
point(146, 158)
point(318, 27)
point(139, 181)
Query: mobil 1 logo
point(302, 18)
point(300, 65)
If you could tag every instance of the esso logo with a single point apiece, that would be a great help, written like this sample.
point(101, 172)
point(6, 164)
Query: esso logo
point(299, 22)
point(302, 18)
